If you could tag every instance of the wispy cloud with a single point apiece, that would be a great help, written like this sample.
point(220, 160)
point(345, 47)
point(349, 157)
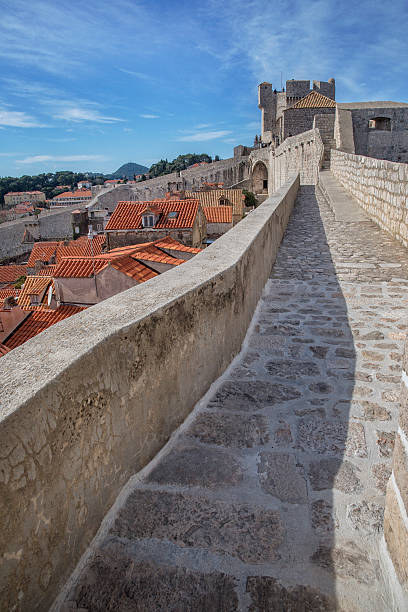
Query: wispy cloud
point(34, 159)
point(148, 116)
point(203, 136)
point(77, 114)
point(18, 119)
point(139, 75)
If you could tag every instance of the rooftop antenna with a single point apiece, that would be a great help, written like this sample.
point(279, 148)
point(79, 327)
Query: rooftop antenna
point(49, 296)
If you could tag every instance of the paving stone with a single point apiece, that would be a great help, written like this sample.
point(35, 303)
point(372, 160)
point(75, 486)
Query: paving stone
point(322, 517)
point(238, 430)
point(322, 436)
point(292, 370)
point(269, 595)
point(381, 473)
point(250, 533)
point(114, 582)
point(385, 442)
point(252, 395)
point(366, 517)
point(332, 473)
point(280, 476)
point(346, 561)
point(199, 466)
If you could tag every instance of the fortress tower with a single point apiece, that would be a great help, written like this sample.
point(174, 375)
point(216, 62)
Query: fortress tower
point(272, 103)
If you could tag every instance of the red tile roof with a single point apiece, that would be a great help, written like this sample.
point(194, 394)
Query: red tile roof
point(128, 215)
point(7, 292)
point(47, 270)
point(3, 350)
point(218, 214)
point(174, 245)
point(152, 253)
point(314, 100)
point(21, 192)
point(78, 193)
point(9, 274)
point(42, 251)
point(38, 321)
point(34, 285)
point(83, 267)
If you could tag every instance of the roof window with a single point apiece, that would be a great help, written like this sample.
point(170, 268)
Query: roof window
point(173, 215)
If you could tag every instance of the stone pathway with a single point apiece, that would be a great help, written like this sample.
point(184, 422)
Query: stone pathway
point(271, 496)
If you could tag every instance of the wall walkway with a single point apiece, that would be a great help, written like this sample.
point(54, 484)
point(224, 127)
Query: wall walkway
point(90, 401)
point(271, 496)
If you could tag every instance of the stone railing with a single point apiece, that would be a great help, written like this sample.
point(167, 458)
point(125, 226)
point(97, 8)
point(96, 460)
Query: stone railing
point(379, 186)
point(396, 505)
point(90, 401)
point(301, 154)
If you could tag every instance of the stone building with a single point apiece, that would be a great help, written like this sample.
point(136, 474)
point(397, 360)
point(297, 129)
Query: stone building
point(219, 221)
point(136, 222)
point(17, 197)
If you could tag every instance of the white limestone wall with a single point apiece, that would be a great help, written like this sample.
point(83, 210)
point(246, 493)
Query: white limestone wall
point(379, 186)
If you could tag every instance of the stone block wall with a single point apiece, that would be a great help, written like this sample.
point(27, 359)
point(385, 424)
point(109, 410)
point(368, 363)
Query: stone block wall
point(105, 390)
point(379, 186)
point(303, 154)
point(396, 507)
point(299, 120)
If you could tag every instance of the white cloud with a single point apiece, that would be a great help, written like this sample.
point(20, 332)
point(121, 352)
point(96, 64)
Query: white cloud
point(77, 114)
point(60, 158)
point(202, 136)
point(140, 75)
point(147, 116)
point(17, 119)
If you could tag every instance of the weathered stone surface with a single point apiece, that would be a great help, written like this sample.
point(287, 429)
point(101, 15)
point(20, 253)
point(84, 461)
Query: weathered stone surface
point(239, 431)
point(347, 561)
point(322, 436)
point(396, 536)
point(371, 411)
point(334, 473)
point(400, 468)
point(319, 352)
point(366, 516)
point(269, 595)
point(280, 476)
point(114, 582)
point(248, 532)
point(292, 370)
point(199, 466)
point(381, 473)
point(322, 517)
point(385, 442)
point(321, 387)
point(282, 434)
point(252, 395)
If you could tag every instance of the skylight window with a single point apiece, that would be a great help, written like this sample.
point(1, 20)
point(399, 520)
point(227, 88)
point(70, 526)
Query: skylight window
point(172, 215)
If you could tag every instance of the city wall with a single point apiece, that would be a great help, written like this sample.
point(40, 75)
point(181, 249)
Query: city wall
point(301, 154)
point(90, 401)
point(52, 225)
point(379, 186)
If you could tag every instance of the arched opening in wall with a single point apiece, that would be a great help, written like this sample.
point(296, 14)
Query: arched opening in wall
point(380, 123)
point(260, 178)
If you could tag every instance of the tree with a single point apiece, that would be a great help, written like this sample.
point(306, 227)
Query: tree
point(250, 199)
point(217, 158)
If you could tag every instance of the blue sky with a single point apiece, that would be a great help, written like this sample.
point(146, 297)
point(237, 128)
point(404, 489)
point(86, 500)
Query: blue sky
point(90, 85)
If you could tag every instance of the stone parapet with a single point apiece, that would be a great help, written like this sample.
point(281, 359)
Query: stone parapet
point(303, 154)
point(379, 186)
point(91, 401)
point(396, 508)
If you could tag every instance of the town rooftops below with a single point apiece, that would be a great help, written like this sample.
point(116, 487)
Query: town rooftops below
point(171, 214)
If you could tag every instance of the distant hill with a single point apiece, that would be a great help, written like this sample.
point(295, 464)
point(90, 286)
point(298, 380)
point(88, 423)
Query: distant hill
point(128, 170)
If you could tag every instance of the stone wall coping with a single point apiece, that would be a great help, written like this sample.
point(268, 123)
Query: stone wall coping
point(32, 366)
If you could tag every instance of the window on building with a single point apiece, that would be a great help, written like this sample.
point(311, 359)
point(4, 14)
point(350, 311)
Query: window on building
point(224, 202)
point(265, 184)
point(380, 123)
point(33, 299)
point(148, 221)
point(172, 215)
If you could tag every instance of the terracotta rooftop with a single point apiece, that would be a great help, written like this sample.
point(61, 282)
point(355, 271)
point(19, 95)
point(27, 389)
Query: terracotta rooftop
point(78, 193)
point(83, 267)
point(7, 292)
point(218, 214)
point(47, 270)
point(3, 350)
point(314, 100)
point(9, 274)
point(152, 253)
point(38, 321)
point(213, 197)
point(174, 245)
point(22, 192)
point(42, 251)
point(34, 285)
point(128, 215)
